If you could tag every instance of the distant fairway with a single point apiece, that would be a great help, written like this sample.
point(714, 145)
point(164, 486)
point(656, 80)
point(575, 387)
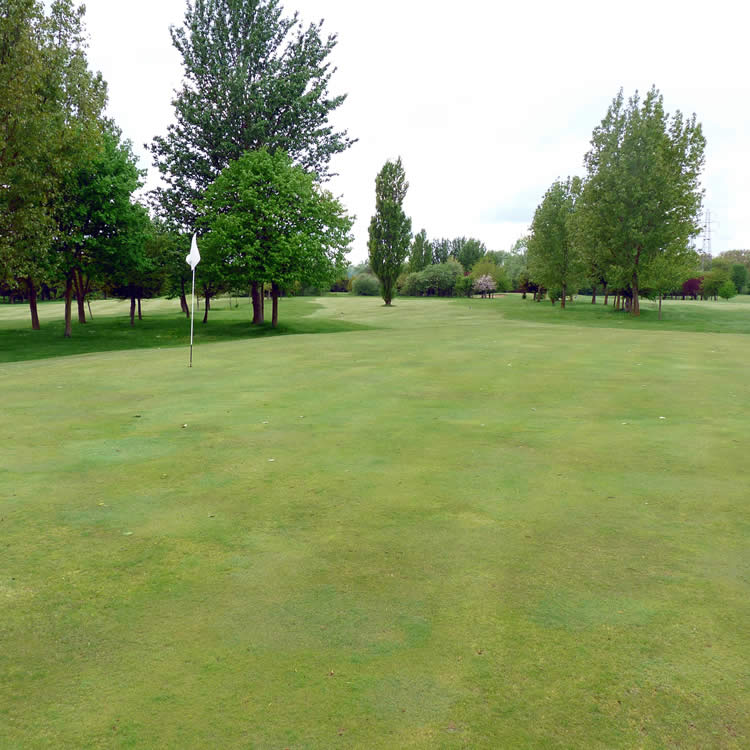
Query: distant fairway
point(449, 524)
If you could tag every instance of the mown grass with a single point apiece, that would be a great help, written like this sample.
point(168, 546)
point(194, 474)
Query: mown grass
point(163, 325)
point(455, 524)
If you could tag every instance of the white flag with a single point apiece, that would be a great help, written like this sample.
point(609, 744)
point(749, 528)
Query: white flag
point(195, 257)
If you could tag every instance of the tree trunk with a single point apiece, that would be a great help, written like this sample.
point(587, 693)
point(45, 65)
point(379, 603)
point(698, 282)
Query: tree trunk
point(132, 306)
point(68, 301)
point(635, 306)
point(183, 300)
point(593, 296)
point(275, 298)
point(660, 307)
point(88, 304)
point(30, 286)
point(140, 316)
point(80, 296)
point(562, 299)
point(207, 306)
point(606, 295)
point(256, 293)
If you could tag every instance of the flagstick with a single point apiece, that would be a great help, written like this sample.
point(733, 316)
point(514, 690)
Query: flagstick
point(192, 315)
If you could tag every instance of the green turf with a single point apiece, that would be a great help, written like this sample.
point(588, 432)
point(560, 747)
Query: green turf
point(477, 530)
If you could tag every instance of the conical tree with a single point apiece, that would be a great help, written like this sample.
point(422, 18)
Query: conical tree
point(390, 227)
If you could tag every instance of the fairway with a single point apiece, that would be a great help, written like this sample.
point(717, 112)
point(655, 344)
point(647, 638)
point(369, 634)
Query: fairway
point(448, 524)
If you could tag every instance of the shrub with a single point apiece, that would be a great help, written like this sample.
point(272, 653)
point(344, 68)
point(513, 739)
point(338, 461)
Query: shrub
point(366, 285)
point(464, 286)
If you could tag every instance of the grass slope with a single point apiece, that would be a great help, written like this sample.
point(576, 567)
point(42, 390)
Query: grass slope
point(453, 524)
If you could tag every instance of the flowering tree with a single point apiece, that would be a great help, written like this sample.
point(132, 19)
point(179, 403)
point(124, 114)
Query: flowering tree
point(485, 285)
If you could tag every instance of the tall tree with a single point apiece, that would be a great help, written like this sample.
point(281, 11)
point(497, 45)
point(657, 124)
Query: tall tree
point(420, 253)
point(468, 252)
point(642, 197)
point(739, 276)
point(97, 221)
point(553, 257)
point(253, 78)
point(390, 227)
point(50, 110)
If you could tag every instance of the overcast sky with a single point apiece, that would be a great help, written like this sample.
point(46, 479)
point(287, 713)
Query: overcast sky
point(487, 103)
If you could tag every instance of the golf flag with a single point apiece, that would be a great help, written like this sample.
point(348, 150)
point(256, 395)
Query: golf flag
point(193, 260)
point(195, 257)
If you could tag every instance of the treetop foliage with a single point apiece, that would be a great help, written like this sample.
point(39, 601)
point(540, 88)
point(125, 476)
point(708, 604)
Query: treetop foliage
point(253, 78)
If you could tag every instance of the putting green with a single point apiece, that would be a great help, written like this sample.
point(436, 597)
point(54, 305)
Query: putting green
point(454, 523)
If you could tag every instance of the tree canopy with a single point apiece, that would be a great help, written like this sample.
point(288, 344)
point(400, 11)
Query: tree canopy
point(642, 196)
point(554, 260)
point(268, 221)
point(253, 78)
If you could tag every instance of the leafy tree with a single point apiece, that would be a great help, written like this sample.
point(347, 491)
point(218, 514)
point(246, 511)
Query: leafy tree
point(487, 267)
point(252, 78)
point(554, 260)
point(739, 276)
point(464, 286)
point(50, 108)
point(727, 290)
point(269, 221)
point(390, 227)
point(469, 252)
point(485, 285)
point(420, 253)
point(642, 197)
point(513, 261)
point(441, 250)
point(664, 276)
point(691, 288)
point(713, 280)
point(98, 223)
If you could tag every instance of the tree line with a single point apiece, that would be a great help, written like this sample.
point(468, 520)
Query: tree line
point(627, 227)
point(244, 163)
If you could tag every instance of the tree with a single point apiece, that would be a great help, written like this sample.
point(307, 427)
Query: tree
point(738, 274)
point(269, 221)
point(252, 78)
point(727, 290)
point(441, 250)
point(642, 197)
point(488, 267)
point(664, 276)
point(485, 285)
point(100, 232)
point(553, 257)
point(468, 252)
point(420, 253)
point(390, 227)
point(714, 280)
point(50, 119)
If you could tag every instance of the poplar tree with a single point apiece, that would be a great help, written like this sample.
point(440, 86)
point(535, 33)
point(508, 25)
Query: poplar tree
point(390, 227)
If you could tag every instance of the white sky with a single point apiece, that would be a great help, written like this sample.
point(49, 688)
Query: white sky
point(486, 102)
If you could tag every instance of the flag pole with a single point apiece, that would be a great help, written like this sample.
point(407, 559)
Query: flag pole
point(192, 260)
point(192, 316)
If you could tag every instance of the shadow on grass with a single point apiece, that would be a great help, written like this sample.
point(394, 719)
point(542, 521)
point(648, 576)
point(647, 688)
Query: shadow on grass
point(158, 330)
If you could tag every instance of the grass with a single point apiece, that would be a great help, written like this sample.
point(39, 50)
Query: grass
point(456, 523)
